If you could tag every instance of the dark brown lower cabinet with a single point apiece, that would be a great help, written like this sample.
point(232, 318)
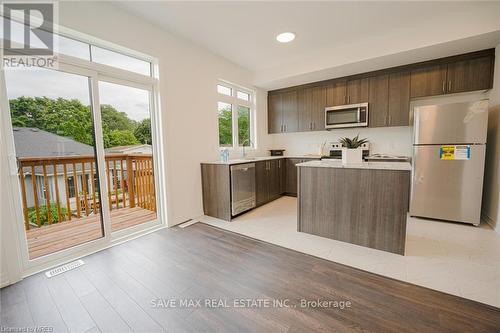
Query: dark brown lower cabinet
point(261, 183)
point(291, 175)
point(269, 180)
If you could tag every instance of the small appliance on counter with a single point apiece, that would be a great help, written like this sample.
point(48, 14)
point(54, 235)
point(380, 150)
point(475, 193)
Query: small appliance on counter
point(386, 158)
point(277, 152)
point(336, 151)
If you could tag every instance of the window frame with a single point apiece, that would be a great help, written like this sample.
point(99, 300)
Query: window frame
point(235, 102)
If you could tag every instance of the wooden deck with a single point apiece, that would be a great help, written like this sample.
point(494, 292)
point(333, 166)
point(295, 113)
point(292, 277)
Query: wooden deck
point(59, 236)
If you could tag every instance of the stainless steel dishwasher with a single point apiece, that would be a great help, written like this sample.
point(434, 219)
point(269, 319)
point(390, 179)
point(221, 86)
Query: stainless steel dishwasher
point(242, 188)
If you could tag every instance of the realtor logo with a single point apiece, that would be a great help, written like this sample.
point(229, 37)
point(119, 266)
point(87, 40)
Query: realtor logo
point(28, 35)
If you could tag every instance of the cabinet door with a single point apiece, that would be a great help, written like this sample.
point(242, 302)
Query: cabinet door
point(318, 103)
point(428, 81)
point(274, 108)
point(282, 174)
point(378, 101)
point(290, 113)
point(357, 91)
point(470, 75)
point(291, 175)
point(274, 179)
point(304, 97)
point(261, 183)
point(399, 99)
point(336, 93)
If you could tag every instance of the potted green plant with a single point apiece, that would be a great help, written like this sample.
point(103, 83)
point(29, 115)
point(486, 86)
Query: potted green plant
point(352, 152)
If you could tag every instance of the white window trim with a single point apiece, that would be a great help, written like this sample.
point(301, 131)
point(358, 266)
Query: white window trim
point(235, 102)
point(97, 72)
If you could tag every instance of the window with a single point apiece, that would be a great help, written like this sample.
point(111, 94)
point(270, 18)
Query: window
point(83, 50)
point(119, 60)
point(235, 115)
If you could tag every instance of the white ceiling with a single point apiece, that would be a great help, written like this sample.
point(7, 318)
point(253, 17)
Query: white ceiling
point(329, 34)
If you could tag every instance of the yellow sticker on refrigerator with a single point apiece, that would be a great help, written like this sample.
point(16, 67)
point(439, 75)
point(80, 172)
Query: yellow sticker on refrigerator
point(451, 153)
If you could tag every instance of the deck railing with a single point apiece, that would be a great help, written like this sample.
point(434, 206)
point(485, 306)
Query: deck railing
point(60, 188)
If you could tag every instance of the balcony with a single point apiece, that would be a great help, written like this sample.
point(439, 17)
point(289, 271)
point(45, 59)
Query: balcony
point(61, 199)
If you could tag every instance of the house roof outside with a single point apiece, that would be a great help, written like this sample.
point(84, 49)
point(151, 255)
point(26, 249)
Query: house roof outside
point(138, 149)
point(36, 142)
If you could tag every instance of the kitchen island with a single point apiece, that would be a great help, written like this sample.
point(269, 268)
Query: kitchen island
point(364, 204)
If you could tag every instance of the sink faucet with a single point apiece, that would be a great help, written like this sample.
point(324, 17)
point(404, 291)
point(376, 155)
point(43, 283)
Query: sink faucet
point(244, 153)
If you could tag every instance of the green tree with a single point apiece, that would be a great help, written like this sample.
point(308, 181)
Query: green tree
point(121, 138)
point(143, 131)
point(244, 126)
point(225, 126)
point(70, 118)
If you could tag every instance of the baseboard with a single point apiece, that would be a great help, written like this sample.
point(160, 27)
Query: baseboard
point(486, 218)
point(4, 280)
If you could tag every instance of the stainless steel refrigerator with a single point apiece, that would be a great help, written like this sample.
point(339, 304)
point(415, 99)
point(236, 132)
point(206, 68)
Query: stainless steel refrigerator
point(448, 161)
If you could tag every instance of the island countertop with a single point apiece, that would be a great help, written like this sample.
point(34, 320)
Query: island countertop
point(330, 163)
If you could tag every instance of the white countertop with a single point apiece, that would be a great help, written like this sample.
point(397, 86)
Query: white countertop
point(261, 158)
point(365, 165)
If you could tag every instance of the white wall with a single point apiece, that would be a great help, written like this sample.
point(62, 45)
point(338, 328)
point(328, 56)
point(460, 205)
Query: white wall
point(390, 140)
point(491, 198)
point(188, 77)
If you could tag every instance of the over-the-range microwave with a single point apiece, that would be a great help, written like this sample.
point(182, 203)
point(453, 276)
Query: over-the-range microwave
point(352, 115)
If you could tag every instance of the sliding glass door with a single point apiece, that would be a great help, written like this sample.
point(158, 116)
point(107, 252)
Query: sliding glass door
point(84, 151)
point(128, 142)
point(52, 122)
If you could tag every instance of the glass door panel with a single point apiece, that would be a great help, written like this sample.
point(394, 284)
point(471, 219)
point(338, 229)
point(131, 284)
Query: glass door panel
point(53, 130)
point(126, 126)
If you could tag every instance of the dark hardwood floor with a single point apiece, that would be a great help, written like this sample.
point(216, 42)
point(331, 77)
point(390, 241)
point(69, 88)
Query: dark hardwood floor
point(119, 290)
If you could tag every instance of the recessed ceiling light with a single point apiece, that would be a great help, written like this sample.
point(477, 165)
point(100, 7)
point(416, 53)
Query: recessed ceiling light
point(285, 37)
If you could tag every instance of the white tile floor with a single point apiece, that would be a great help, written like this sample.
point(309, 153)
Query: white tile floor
point(454, 258)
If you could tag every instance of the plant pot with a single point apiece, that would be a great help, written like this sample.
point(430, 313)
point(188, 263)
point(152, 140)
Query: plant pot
point(352, 156)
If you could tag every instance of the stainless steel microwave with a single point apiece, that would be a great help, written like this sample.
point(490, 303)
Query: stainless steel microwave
point(352, 115)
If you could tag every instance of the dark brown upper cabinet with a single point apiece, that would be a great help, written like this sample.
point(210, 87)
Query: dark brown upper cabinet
point(347, 92)
point(387, 91)
point(282, 112)
point(399, 99)
point(453, 77)
point(312, 102)
point(357, 91)
point(428, 81)
point(336, 93)
point(290, 112)
point(274, 111)
point(378, 101)
point(470, 75)
point(389, 100)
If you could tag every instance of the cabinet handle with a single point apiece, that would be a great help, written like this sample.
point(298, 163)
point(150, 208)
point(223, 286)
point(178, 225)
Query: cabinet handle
point(385, 120)
point(279, 164)
point(281, 130)
point(444, 86)
point(390, 119)
point(449, 86)
point(284, 128)
point(345, 99)
point(348, 99)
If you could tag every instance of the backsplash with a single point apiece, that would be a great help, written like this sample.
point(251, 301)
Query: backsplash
point(388, 140)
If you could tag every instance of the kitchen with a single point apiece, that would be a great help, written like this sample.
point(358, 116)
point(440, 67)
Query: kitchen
point(241, 166)
point(380, 199)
